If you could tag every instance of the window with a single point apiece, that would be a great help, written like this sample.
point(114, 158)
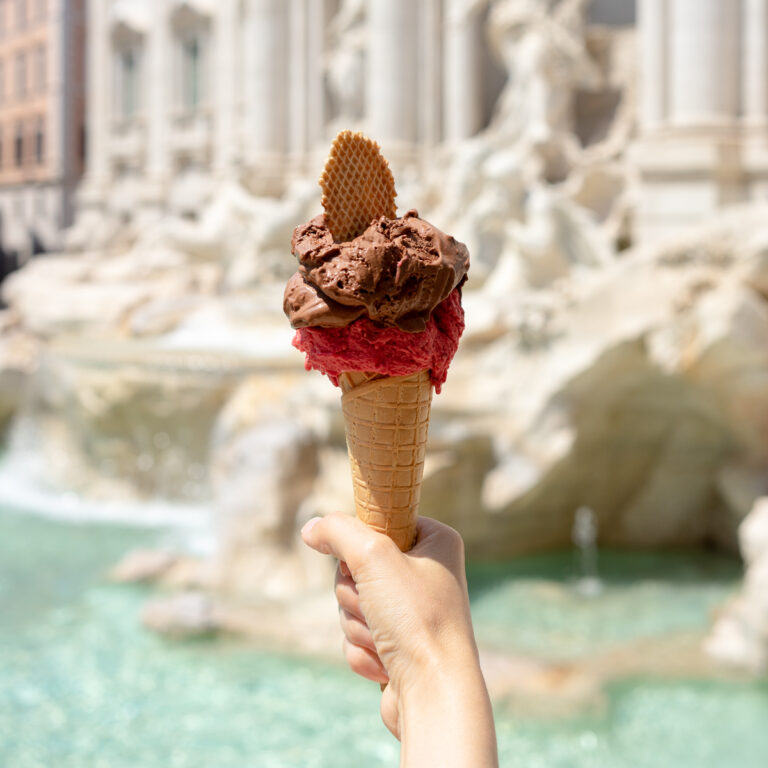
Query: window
point(40, 73)
point(1, 146)
point(18, 150)
point(40, 141)
point(21, 75)
point(191, 73)
point(128, 82)
point(2, 82)
point(2, 17)
point(21, 14)
point(41, 10)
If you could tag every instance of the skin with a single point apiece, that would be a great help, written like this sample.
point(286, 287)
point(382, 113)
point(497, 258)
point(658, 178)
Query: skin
point(406, 623)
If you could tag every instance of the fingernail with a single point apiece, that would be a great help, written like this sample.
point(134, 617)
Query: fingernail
point(309, 525)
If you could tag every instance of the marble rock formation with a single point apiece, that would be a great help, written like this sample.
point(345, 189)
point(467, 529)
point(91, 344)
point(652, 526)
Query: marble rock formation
point(66, 295)
point(264, 463)
point(18, 356)
point(740, 634)
point(124, 423)
point(638, 390)
point(242, 234)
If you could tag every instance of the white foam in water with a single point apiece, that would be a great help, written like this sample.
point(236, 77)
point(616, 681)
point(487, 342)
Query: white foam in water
point(16, 494)
point(23, 489)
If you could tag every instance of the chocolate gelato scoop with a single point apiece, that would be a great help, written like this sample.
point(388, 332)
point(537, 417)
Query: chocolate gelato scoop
point(395, 273)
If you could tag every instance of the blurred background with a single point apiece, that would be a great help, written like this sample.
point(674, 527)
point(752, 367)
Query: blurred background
point(601, 442)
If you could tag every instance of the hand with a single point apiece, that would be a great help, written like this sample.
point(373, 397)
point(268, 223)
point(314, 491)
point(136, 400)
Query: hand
point(406, 622)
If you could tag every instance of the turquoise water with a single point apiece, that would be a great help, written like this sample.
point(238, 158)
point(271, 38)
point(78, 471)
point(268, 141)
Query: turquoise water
point(82, 685)
point(531, 604)
point(650, 725)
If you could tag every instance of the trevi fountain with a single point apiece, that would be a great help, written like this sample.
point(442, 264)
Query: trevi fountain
point(606, 418)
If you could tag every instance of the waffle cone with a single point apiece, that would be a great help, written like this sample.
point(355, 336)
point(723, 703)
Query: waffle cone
point(387, 420)
point(358, 186)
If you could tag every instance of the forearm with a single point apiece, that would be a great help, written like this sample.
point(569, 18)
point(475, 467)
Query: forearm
point(446, 719)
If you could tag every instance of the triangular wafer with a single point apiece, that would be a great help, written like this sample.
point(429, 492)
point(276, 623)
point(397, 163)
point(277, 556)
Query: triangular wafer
point(357, 185)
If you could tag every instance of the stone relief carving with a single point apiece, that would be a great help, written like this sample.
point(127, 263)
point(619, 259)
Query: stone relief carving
point(542, 46)
point(248, 232)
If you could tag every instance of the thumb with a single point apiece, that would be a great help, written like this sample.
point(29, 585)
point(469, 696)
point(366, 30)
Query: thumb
point(348, 539)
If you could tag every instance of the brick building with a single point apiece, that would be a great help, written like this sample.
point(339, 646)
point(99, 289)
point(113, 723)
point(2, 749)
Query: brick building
point(42, 134)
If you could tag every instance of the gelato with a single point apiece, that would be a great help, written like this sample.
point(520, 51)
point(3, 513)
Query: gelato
point(395, 273)
point(387, 302)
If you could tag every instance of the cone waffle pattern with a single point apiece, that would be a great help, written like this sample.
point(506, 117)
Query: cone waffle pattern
point(387, 420)
point(357, 185)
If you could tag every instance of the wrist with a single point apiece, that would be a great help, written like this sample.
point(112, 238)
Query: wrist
point(445, 713)
point(433, 657)
point(439, 674)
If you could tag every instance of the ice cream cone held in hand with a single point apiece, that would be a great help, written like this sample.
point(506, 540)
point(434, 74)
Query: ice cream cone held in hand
point(376, 302)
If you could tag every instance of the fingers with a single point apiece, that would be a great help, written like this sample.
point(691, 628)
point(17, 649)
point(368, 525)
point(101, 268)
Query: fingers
point(356, 631)
point(347, 595)
point(440, 542)
point(430, 531)
point(359, 647)
point(350, 540)
point(364, 663)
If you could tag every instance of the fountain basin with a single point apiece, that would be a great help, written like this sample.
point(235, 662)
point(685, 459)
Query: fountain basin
point(83, 684)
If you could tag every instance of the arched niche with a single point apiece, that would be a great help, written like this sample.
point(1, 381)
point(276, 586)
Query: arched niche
point(191, 24)
point(128, 31)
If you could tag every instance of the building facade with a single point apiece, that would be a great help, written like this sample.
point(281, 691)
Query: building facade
point(185, 92)
point(42, 121)
point(704, 110)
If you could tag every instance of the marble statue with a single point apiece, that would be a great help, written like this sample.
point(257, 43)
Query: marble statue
point(502, 210)
point(740, 635)
point(248, 232)
point(542, 47)
point(556, 237)
point(498, 189)
point(481, 191)
point(555, 240)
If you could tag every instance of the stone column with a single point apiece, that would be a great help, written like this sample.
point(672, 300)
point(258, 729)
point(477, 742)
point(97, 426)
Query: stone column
point(317, 22)
point(653, 25)
point(298, 71)
point(158, 78)
point(430, 69)
point(307, 24)
point(266, 81)
point(755, 62)
point(462, 72)
point(98, 104)
point(392, 76)
point(223, 83)
point(704, 62)
point(248, 65)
